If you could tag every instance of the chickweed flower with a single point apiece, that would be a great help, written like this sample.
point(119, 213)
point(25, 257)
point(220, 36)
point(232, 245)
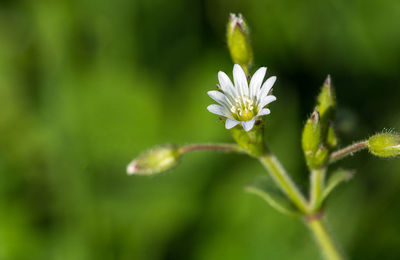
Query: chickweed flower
point(242, 103)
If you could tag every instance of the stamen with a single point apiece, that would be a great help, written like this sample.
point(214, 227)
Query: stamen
point(243, 109)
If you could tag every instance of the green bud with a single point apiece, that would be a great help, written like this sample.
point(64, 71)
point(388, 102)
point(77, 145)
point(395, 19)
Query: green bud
point(311, 138)
point(238, 41)
point(326, 102)
point(385, 144)
point(155, 161)
point(315, 152)
point(319, 137)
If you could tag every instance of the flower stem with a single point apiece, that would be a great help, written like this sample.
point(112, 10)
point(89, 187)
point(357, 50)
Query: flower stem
point(211, 147)
point(283, 180)
point(349, 150)
point(324, 241)
point(317, 180)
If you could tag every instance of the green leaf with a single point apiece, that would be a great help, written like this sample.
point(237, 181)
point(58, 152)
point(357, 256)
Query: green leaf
point(335, 179)
point(267, 190)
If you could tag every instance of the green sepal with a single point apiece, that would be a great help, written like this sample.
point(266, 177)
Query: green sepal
point(326, 102)
point(265, 188)
point(252, 141)
point(335, 179)
point(311, 138)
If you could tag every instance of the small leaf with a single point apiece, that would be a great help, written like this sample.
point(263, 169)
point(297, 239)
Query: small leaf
point(335, 179)
point(267, 190)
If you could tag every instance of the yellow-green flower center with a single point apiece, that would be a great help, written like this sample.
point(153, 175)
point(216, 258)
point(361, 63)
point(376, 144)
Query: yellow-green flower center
point(243, 109)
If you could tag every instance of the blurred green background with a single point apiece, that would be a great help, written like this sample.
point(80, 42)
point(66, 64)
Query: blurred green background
point(85, 86)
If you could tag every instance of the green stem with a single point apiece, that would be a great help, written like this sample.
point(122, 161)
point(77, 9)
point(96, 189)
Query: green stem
point(283, 180)
point(349, 150)
point(324, 241)
point(211, 147)
point(317, 182)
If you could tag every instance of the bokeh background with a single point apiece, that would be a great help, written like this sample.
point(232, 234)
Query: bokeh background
point(86, 85)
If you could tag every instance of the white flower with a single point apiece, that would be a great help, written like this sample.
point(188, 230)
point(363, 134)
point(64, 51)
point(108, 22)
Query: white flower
point(241, 103)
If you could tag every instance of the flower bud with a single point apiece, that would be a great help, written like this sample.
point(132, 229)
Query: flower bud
point(315, 151)
point(311, 138)
point(385, 144)
point(238, 41)
point(155, 161)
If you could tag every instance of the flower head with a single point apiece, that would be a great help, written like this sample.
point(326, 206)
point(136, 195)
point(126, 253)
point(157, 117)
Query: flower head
point(240, 102)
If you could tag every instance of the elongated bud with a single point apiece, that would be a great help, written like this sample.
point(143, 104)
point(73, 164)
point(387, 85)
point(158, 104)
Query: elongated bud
point(315, 152)
point(238, 41)
point(311, 138)
point(385, 144)
point(326, 102)
point(155, 161)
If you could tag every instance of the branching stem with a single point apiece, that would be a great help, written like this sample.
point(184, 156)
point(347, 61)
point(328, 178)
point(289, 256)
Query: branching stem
point(283, 180)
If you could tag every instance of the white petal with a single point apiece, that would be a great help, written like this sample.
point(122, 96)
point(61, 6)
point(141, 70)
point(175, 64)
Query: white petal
point(132, 167)
point(219, 98)
point(248, 125)
point(266, 87)
point(230, 123)
point(219, 110)
point(264, 111)
point(240, 80)
point(265, 101)
point(226, 84)
point(256, 81)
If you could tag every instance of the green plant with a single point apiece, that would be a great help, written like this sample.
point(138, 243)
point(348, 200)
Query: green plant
point(242, 106)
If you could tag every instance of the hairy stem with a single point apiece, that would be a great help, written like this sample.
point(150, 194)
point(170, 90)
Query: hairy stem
point(283, 180)
point(324, 241)
point(211, 147)
point(349, 150)
point(317, 181)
